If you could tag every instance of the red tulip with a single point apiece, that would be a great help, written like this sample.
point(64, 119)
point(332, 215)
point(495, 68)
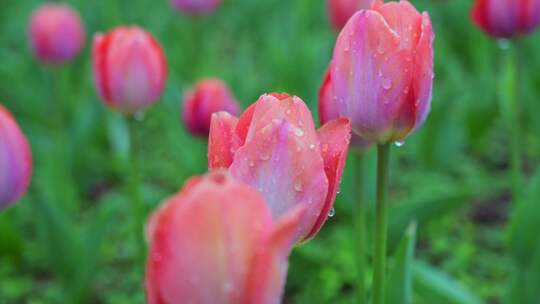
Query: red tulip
point(216, 242)
point(209, 96)
point(328, 111)
point(506, 18)
point(339, 11)
point(130, 69)
point(56, 33)
point(382, 71)
point(196, 7)
point(275, 148)
point(15, 160)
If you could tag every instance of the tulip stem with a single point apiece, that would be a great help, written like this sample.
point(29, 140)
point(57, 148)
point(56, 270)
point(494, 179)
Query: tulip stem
point(379, 257)
point(515, 128)
point(134, 188)
point(360, 224)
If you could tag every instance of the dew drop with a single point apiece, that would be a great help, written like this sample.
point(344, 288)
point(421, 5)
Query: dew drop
point(299, 132)
point(288, 112)
point(312, 146)
point(298, 185)
point(139, 116)
point(400, 143)
point(265, 156)
point(504, 44)
point(387, 83)
point(380, 49)
point(331, 212)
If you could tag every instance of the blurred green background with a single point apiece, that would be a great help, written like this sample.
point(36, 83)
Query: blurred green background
point(69, 240)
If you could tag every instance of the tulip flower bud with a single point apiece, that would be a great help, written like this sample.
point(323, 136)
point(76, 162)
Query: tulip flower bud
point(196, 7)
point(328, 111)
point(15, 160)
point(130, 69)
point(208, 96)
point(506, 18)
point(216, 242)
point(382, 71)
point(275, 148)
point(56, 33)
point(339, 11)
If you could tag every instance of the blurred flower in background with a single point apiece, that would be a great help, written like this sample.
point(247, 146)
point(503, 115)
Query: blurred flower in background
point(216, 242)
point(339, 11)
point(196, 7)
point(275, 148)
point(56, 33)
point(15, 160)
point(207, 97)
point(382, 71)
point(328, 111)
point(130, 69)
point(506, 18)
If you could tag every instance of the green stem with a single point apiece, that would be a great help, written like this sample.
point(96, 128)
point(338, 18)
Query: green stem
point(515, 129)
point(134, 184)
point(379, 257)
point(360, 224)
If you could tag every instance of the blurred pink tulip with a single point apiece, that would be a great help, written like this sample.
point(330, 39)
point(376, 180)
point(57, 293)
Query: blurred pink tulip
point(216, 242)
point(15, 160)
point(382, 71)
point(196, 7)
point(328, 111)
point(130, 69)
point(56, 33)
point(208, 96)
point(275, 148)
point(339, 11)
point(506, 18)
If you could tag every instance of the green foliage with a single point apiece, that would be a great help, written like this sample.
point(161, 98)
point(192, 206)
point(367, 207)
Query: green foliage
point(70, 239)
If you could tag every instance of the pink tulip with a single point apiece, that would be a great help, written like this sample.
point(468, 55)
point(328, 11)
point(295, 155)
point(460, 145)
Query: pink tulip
point(275, 148)
point(56, 33)
point(15, 160)
point(382, 71)
point(130, 69)
point(196, 7)
point(216, 242)
point(339, 11)
point(506, 18)
point(209, 96)
point(328, 111)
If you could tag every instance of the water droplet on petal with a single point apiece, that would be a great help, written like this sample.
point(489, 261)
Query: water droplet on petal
point(331, 212)
point(312, 146)
point(387, 83)
point(265, 155)
point(400, 143)
point(298, 185)
point(299, 132)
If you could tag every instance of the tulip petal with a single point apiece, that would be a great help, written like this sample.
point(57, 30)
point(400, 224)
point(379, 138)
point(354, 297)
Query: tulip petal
point(335, 137)
point(370, 75)
point(270, 264)
point(203, 242)
point(222, 140)
point(281, 158)
point(423, 72)
point(404, 19)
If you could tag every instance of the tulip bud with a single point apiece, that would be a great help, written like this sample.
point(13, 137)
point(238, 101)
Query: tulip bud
point(208, 96)
point(382, 71)
point(56, 33)
point(130, 69)
point(328, 111)
point(339, 11)
point(275, 148)
point(196, 7)
point(216, 242)
point(506, 18)
point(15, 160)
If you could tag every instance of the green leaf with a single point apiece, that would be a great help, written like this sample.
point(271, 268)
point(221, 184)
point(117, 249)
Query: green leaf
point(438, 287)
point(399, 285)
